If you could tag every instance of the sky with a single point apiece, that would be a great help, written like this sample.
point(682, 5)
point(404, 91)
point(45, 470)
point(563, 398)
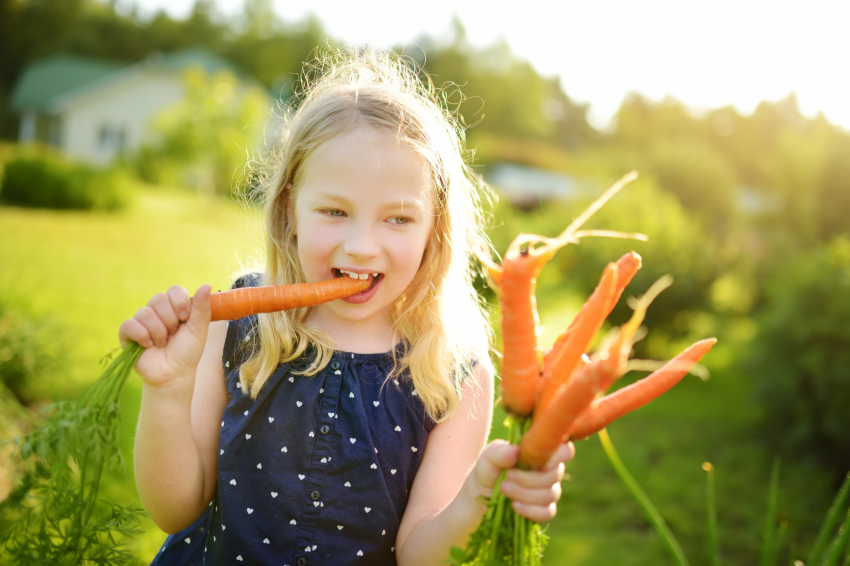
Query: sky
point(706, 54)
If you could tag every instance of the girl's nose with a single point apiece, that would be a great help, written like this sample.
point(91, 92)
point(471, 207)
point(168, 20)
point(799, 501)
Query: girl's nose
point(362, 243)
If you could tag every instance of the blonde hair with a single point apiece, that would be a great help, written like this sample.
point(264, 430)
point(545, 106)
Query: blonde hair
point(439, 317)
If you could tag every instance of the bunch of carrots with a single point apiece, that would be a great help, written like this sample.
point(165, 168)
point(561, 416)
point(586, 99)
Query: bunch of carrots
point(557, 397)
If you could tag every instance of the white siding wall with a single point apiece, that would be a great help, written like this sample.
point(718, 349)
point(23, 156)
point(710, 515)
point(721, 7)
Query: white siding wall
point(128, 105)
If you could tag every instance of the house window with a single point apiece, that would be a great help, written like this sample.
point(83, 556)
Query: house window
point(111, 139)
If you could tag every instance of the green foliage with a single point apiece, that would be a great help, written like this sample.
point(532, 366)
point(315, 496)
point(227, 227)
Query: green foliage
point(31, 351)
point(205, 139)
point(801, 362)
point(54, 516)
point(48, 181)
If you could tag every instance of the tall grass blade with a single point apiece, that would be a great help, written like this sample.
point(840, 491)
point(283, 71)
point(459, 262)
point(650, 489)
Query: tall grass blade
point(654, 516)
point(839, 542)
point(767, 549)
point(832, 518)
point(713, 543)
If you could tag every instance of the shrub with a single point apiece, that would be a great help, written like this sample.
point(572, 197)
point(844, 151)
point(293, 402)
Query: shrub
point(31, 352)
point(801, 360)
point(51, 182)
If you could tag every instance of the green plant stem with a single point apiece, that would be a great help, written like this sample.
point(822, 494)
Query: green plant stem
point(713, 543)
point(839, 542)
point(830, 521)
point(654, 516)
point(767, 549)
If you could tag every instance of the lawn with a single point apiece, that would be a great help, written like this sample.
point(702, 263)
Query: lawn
point(91, 271)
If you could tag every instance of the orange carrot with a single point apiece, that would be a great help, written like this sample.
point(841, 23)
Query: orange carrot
point(549, 427)
point(520, 362)
point(562, 359)
point(627, 266)
point(238, 303)
point(610, 408)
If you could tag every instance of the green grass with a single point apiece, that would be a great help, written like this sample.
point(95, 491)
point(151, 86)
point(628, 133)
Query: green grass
point(94, 270)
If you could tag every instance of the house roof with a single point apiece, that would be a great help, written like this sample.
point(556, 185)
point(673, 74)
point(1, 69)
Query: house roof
point(47, 80)
point(53, 76)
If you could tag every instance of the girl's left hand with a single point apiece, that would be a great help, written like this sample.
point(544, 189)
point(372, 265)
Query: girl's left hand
point(534, 493)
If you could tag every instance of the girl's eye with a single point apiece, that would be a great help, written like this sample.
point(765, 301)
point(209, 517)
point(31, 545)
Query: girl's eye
point(333, 212)
point(400, 220)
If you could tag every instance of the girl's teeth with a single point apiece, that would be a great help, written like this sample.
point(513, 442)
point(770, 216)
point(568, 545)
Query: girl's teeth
point(364, 276)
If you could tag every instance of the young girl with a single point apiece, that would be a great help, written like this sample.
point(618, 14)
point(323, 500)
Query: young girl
point(352, 432)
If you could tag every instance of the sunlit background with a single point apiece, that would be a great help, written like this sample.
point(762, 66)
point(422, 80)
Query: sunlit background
point(132, 135)
point(706, 54)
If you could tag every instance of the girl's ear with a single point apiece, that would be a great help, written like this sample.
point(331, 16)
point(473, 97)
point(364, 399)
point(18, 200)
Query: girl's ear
point(290, 210)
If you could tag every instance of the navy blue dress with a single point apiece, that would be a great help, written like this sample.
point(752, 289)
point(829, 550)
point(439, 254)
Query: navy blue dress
point(316, 470)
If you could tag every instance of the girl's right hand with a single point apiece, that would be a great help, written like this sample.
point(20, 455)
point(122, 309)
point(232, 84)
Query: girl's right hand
point(173, 328)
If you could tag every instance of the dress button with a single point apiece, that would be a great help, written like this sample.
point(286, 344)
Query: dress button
point(334, 365)
point(301, 561)
point(324, 429)
point(315, 495)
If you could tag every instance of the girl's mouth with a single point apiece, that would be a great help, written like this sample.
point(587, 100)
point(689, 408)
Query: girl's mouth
point(374, 278)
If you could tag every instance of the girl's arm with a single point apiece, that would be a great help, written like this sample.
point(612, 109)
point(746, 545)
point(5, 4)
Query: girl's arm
point(444, 507)
point(183, 398)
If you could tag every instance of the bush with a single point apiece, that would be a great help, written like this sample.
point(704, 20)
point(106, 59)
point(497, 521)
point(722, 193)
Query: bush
point(801, 361)
point(31, 352)
point(51, 182)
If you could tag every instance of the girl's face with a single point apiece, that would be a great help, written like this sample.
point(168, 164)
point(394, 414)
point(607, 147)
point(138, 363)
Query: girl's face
point(365, 206)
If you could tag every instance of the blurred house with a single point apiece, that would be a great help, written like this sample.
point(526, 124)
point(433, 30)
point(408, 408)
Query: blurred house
point(94, 110)
point(526, 187)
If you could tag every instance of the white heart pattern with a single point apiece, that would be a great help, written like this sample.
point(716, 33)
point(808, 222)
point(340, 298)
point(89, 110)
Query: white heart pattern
point(311, 435)
point(292, 522)
point(187, 540)
point(220, 452)
point(247, 437)
point(322, 390)
point(376, 450)
point(374, 466)
point(415, 392)
point(250, 510)
point(259, 466)
point(367, 509)
point(274, 494)
point(314, 547)
point(232, 482)
point(376, 403)
point(301, 476)
point(239, 558)
point(315, 504)
point(271, 419)
point(291, 380)
point(222, 424)
point(265, 541)
point(398, 429)
point(283, 449)
point(337, 372)
point(347, 484)
point(331, 415)
point(223, 527)
point(339, 527)
point(383, 532)
point(299, 403)
point(359, 553)
point(415, 449)
point(352, 440)
point(351, 395)
point(245, 413)
point(324, 460)
point(239, 385)
point(393, 472)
